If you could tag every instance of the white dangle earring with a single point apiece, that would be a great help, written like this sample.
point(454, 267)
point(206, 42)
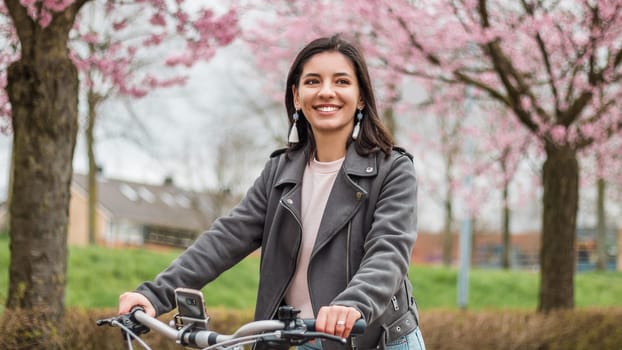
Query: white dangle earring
point(293, 133)
point(357, 127)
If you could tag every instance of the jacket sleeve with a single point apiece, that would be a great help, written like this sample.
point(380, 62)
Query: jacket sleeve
point(225, 243)
point(388, 244)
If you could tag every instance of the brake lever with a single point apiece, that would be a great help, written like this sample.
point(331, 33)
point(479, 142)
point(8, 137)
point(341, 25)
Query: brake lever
point(299, 337)
point(128, 322)
point(106, 321)
point(327, 337)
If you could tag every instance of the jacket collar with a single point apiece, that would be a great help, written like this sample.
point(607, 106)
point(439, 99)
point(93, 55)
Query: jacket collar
point(354, 164)
point(358, 165)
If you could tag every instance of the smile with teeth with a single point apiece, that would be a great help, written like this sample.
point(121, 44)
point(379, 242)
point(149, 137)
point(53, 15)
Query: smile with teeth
point(327, 108)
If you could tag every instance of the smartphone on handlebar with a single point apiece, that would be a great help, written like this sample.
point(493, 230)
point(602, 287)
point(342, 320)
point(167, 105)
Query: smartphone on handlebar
point(190, 308)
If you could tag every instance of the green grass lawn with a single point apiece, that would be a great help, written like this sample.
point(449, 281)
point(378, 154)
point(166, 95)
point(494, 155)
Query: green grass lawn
point(109, 272)
point(97, 275)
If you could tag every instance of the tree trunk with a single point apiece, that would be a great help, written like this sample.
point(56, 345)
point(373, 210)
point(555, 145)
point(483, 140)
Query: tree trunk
point(505, 255)
point(506, 244)
point(93, 101)
point(388, 119)
point(388, 115)
point(43, 91)
point(560, 175)
point(601, 227)
point(448, 234)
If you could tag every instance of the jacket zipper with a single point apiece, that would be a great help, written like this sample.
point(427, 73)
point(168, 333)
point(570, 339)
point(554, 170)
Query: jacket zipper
point(289, 280)
point(348, 238)
point(396, 306)
point(353, 341)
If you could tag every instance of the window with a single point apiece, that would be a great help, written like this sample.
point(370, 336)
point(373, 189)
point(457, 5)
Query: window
point(128, 192)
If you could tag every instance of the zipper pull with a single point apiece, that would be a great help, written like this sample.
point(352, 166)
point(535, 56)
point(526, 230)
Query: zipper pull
point(353, 344)
point(396, 307)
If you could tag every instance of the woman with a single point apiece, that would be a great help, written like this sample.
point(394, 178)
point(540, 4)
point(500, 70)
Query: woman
point(333, 214)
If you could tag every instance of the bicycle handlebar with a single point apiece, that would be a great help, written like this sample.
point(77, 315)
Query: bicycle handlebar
point(293, 332)
point(358, 328)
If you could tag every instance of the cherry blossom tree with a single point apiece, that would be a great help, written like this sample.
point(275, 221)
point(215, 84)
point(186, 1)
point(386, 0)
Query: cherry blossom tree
point(554, 66)
point(448, 143)
point(602, 163)
point(475, 144)
point(42, 88)
point(551, 84)
point(501, 145)
point(44, 125)
point(134, 51)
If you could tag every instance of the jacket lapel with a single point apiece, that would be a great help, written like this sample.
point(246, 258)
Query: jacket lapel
point(291, 176)
point(346, 195)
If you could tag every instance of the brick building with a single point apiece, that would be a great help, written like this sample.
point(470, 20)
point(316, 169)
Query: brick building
point(525, 249)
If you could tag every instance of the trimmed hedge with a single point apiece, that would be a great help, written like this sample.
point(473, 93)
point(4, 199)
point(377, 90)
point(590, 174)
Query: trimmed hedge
point(594, 329)
point(81, 332)
point(581, 329)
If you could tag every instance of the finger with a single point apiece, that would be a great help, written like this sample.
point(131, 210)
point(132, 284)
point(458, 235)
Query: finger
point(331, 315)
point(352, 316)
point(124, 304)
point(336, 320)
point(342, 323)
point(129, 300)
point(320, 320)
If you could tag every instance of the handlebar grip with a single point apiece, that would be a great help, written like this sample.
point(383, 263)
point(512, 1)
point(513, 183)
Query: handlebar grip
point(137, 308)
point(358, 328)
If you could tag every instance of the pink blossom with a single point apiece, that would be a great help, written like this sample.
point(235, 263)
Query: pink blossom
point(182, 18)
point(119, 25)
point(558, 133)
point(45, 18)
point(57, 5)
point(91, 38)
point(185, 59)
point(154, 39)
point(27, 3)
point(158, 20)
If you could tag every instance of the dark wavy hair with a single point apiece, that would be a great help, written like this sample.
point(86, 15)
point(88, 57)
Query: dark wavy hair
point(373, 136)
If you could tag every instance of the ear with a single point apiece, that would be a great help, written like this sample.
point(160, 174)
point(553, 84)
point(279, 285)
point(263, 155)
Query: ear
point(296, 98)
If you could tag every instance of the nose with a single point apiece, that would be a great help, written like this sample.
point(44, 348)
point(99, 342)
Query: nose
point(326, 90)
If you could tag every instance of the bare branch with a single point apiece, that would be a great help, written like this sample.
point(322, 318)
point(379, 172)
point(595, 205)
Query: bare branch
point(505, 70)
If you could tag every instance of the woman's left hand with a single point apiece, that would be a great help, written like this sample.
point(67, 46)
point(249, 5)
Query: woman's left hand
point(336, 320)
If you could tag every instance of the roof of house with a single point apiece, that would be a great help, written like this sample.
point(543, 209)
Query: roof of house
point(162, 205)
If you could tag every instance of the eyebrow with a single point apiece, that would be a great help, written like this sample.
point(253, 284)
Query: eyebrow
point(338, 74)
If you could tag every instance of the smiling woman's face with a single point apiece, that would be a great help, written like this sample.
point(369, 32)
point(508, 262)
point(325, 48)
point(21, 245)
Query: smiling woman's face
point(328, 94)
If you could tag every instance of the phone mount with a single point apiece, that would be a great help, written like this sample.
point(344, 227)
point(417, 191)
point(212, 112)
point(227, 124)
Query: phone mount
point(185, 322)
point(191, 313)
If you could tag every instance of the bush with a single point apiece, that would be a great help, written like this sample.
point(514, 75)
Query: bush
point(81, 332)
point(582, 329)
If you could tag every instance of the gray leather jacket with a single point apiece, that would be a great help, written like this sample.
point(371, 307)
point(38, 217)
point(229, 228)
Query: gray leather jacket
point(360, 258)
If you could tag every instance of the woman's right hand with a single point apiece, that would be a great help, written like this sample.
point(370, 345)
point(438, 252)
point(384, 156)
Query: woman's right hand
point(128, 300)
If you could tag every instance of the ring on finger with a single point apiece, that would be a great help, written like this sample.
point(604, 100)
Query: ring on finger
point(341, 323)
